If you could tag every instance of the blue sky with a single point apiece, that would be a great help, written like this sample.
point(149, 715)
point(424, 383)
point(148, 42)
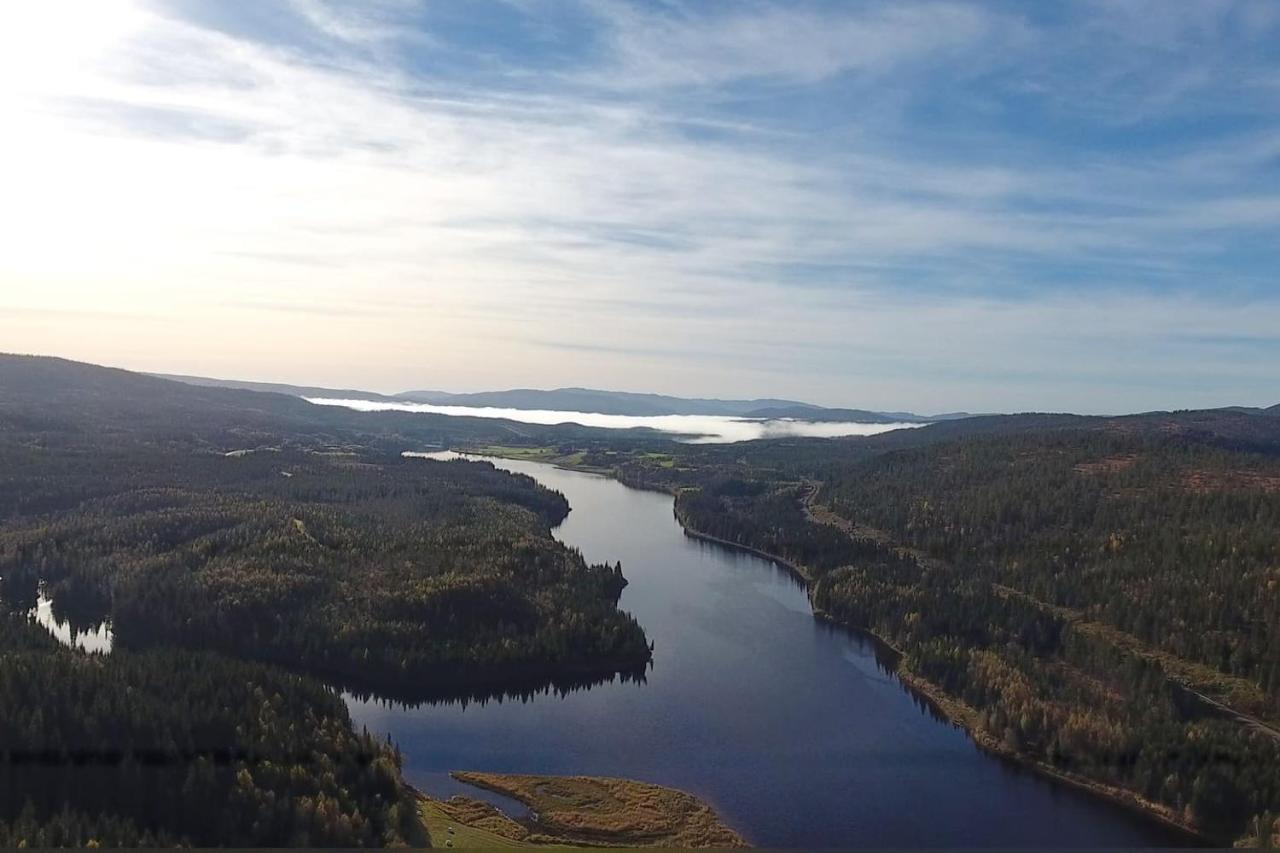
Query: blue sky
point(938, 205)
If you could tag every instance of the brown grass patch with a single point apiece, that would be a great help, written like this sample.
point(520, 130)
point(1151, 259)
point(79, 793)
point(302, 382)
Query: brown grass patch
point(609, 812)
point(1107, 465)
point(1204, 482)
point(484, 816)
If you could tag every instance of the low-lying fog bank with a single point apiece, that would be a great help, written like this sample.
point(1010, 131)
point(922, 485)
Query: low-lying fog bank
point(702, 429)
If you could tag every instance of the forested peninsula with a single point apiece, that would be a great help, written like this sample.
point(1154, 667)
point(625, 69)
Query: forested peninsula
point(252, 557)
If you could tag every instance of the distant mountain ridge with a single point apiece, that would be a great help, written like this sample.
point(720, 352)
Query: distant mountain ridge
point(59, 399)
point(649, 405)
point(626, 403)
point(273, 387)
point(56, 401)
point(812, 413)
point(602, 402)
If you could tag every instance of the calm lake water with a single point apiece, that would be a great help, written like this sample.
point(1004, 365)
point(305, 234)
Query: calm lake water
point(791, 729)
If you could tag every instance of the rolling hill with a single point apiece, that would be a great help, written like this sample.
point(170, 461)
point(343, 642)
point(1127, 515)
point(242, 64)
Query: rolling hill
point(584, 400)
point(61, 402)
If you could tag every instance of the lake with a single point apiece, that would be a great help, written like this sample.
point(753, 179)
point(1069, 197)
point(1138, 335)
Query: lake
point(792, 729)
point(92, 638)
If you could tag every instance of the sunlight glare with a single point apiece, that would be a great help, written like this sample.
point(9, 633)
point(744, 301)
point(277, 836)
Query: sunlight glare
point(46, 43)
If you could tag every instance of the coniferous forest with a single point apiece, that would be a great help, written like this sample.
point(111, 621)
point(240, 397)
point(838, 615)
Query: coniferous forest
point(175, 747)
point(370, 570)
point(1097, 597)
point(1100, 597)
point(249, 568)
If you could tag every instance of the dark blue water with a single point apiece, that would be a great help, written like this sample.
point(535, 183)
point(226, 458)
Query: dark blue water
point(790, 728)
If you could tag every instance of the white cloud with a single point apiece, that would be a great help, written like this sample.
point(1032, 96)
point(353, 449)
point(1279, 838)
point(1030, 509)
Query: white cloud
point(423, 231)
point(657, 46)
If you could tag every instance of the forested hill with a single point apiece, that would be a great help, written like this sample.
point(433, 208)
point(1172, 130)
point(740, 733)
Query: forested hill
point(1227, 427)
point(809, 413)
point(61, 401)
point(583, 400)
point(1094, 595)
point(1135, 571)
point(64, 401)
point(158, 506)
point(253, 552)
point(594, 400)
point(557, 399)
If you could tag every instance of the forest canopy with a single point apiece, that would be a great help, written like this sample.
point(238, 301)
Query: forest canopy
point(251, 555)
point(1100, 597)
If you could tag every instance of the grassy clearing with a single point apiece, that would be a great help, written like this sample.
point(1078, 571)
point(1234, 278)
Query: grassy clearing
point(550, 455)
point(662, 460)
point(446, 831)
point(528, 454)
point(594, 811)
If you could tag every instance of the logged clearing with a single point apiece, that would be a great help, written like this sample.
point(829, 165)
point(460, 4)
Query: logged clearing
point(1108, 465)
point(1203, 482)
point(595, 811)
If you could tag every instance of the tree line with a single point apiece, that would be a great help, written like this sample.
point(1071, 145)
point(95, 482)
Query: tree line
point(175, 747)
point(367, 571)
point(1010, 569)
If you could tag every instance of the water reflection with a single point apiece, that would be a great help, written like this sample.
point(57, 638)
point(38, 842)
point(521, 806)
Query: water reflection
point(796, 730)
point(74, 615)
point(408, 696)
point(90, 636)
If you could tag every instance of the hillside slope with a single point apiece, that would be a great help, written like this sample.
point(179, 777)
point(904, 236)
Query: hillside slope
point(62, 401)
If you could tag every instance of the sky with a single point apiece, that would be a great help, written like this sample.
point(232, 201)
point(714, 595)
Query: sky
point(933, 206)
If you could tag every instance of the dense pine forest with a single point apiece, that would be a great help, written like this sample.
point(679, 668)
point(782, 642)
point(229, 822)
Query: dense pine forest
point(1099, 596)
point(374, 571)
point(164, 748)
point(1175, 543)
point(250, 563)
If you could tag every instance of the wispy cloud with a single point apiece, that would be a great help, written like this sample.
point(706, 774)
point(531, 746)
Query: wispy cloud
point(678, 45)
point(864, 204)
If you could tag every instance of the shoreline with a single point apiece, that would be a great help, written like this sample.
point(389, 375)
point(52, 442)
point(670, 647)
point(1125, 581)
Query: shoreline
point(953, 710)
point(575, 811)
point(957, 712)
point(960, 714)
point(795, 569)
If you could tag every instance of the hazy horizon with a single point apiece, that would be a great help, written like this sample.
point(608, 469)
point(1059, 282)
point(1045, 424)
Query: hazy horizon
point(933, 206)
point(305, 382)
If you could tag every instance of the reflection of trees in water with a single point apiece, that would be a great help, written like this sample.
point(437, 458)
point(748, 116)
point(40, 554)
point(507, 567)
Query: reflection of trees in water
point(887, 660)
point(523, 689)
point(85, 608)
point(80, 609)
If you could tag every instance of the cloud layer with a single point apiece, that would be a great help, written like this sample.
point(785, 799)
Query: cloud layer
point(929, 205)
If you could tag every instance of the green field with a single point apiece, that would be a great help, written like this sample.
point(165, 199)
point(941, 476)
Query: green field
point(550, 455)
